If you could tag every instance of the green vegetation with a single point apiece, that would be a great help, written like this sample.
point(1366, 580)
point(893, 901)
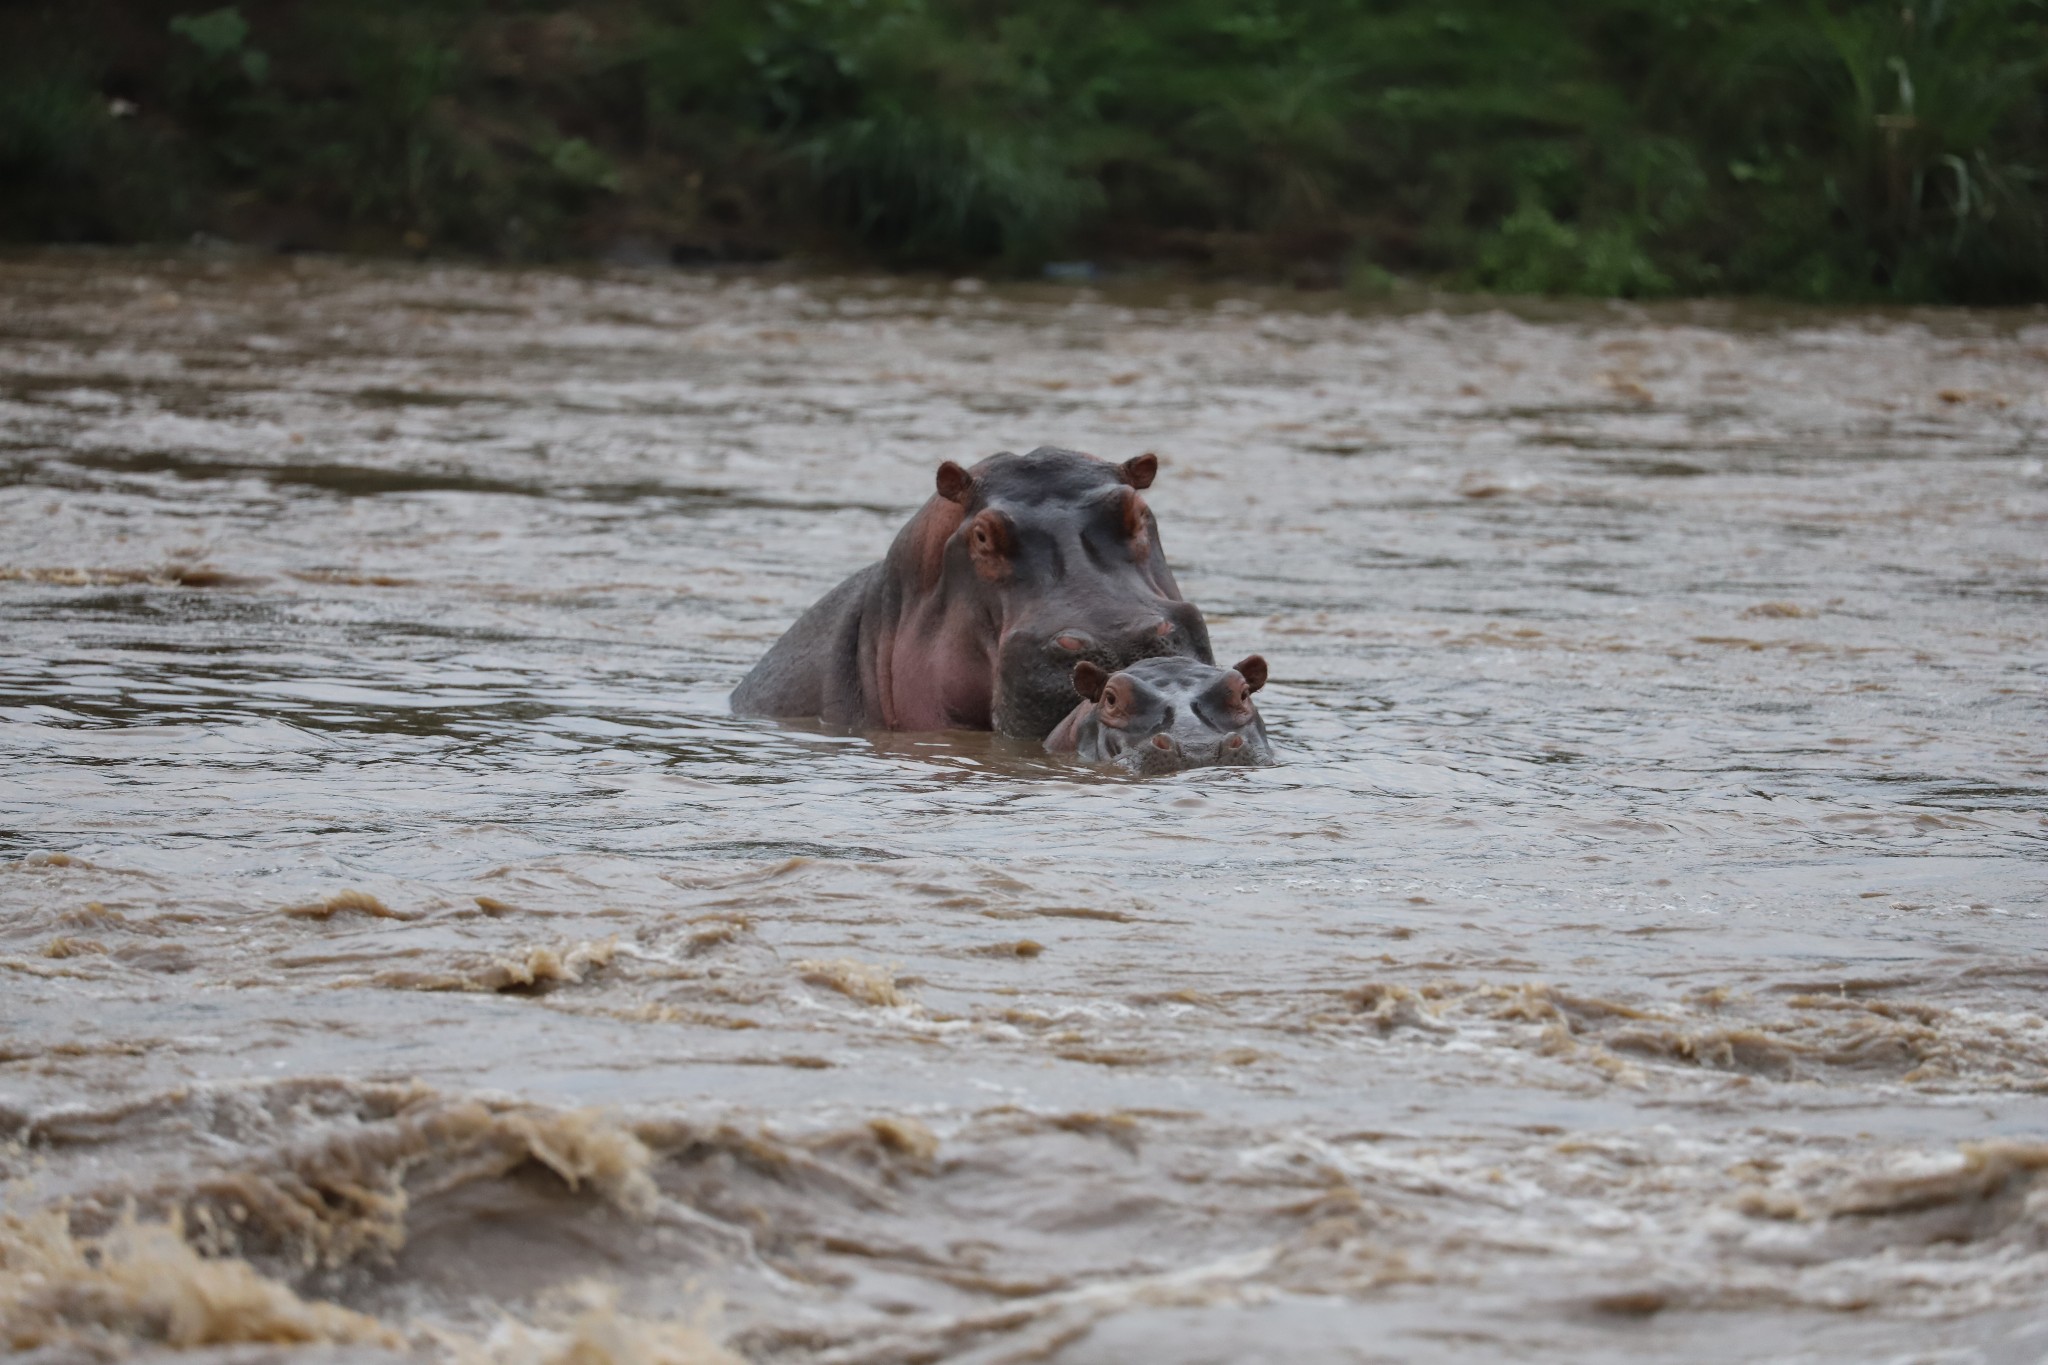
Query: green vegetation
point(1827, 149)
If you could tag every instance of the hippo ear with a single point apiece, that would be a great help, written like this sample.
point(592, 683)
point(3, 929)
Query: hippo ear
point(955, 483)
point(1089, 680)
point(1252, 668)
point(1139, 470)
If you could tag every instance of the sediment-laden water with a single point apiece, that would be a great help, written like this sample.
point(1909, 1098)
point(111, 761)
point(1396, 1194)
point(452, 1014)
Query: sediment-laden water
point(1641, 952)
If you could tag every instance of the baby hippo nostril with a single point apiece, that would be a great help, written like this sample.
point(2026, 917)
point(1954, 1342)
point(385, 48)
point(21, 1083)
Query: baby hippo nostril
point(1234, 742)
point(1071, 643)
point(1161, 742)
point(1164, 628)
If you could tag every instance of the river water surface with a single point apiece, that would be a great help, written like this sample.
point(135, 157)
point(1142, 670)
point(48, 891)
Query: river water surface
point(1640, 953)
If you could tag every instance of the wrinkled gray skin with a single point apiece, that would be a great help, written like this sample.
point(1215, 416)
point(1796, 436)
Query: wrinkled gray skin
point(1164, 715)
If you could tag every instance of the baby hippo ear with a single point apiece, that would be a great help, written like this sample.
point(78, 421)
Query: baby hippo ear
point(1252, 668)
point(955, 483)
point(1139, 470)
point(1089, 680)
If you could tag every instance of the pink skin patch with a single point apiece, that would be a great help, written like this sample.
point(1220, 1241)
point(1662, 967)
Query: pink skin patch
point(937, 688)
point(1066, 736)
point(935, 527)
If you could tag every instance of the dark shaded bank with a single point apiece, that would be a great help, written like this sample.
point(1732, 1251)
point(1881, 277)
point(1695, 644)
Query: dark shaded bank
point(1628, 147)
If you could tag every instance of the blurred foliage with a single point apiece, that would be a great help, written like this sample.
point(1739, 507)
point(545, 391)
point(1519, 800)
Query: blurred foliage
point(1829, 149)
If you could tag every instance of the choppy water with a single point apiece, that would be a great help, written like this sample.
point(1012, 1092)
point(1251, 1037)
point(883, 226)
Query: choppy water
point(1640, 954)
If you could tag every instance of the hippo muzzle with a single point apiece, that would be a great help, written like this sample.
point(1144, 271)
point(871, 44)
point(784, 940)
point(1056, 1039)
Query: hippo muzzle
point(1034, 674)
point(1166, 714)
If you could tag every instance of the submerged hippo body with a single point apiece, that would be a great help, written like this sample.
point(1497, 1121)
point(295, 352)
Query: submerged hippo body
point(1013, 572)
point(1163, 715)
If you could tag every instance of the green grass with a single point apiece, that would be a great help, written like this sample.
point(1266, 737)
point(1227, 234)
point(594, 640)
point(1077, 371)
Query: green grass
point(1848, 150)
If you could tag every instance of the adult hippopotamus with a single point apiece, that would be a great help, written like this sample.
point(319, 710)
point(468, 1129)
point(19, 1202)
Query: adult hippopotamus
point(1163, 715)
point(1014, 571)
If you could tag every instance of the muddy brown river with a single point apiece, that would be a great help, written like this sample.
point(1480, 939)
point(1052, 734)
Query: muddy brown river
point(1640, 952)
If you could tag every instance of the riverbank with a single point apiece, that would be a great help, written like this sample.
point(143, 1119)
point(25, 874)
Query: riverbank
point(1629, 148)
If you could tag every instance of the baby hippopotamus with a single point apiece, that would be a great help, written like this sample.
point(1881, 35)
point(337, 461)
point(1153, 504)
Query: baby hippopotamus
point(1162, 715)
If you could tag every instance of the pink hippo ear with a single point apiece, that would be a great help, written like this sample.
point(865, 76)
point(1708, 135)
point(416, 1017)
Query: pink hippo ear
point(1252, 668)
point(1089, 680)
point(955, 483)
point(1139, 470)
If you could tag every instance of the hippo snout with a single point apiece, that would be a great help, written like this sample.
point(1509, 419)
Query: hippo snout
point(1163, 715)
point(1171, 629)
point(1036, 657)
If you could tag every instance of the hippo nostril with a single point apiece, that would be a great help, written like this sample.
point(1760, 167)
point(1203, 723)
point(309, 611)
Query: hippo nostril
point(1234, 742)
point(1072, 643)
point(1161, 742)
point(1164, 628)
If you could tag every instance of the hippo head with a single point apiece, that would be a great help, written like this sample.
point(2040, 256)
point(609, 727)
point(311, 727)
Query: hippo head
point(1066, 556)
point(1163, 715)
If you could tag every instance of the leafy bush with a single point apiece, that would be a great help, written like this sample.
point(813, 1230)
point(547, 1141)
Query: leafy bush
point(1824, 148)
